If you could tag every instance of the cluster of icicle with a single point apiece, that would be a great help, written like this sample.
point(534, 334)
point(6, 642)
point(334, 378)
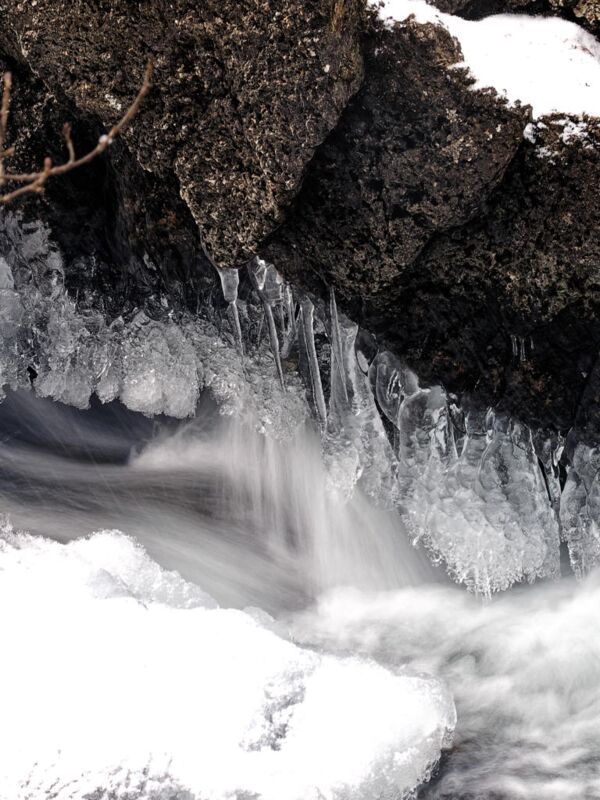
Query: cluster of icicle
point(478, 489)
point(70, 351)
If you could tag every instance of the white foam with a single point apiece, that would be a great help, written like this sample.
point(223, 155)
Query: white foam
point(548, 63)
point(118, 677)
point(524, 670)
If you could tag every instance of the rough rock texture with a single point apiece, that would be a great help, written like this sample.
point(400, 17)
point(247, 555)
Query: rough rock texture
point(418, 152)
point(244, 93)
point(455, 240)
point(134, 228)
point(351, 155)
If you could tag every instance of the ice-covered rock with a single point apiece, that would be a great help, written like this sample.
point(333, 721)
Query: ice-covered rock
point(156, 366)
point(122, 681)
point(476, 496)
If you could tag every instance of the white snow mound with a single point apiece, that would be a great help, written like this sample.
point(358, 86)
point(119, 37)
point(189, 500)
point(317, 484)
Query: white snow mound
point(122, 680)
point(548, 63)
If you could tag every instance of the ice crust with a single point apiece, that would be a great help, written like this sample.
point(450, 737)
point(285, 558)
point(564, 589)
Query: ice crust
point(122, 681)
point(548, 63)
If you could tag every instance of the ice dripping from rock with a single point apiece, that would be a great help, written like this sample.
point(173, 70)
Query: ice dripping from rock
point(478, 488)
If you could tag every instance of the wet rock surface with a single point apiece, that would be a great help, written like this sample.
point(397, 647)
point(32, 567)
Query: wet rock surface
point(351, 156)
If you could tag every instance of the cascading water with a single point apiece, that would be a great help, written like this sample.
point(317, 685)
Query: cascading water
point(264, 457)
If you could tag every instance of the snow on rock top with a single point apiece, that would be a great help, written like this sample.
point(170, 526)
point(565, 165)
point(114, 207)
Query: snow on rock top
point(547, 63)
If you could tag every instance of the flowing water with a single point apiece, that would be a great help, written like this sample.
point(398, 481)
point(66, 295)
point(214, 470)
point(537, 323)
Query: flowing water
point(250, 521)
point(247, 518)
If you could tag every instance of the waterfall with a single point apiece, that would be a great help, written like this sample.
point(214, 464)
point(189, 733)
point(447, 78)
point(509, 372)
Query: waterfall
point(229, 552)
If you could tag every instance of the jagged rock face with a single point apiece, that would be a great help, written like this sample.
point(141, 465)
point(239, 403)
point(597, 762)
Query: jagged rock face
point(416, 153)
point(244, 93)
point(459, 243)
point(352, 156)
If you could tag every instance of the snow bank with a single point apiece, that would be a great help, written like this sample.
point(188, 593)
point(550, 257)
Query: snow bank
point(548, 63)
point(122, 680)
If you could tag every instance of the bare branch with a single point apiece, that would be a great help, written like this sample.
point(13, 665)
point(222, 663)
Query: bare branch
point(69, 142)
point(35, 187)
point(35, 181)
point(4, 111)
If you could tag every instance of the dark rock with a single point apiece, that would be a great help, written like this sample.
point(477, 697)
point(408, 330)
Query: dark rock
point(451, 237)
point(417, 152)
point(464, 247)
point(244, 93)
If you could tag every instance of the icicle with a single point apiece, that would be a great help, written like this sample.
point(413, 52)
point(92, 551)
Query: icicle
point(519, 347)
point(290, 309)
point(515, 346)
point(548, 448)
point(273, 295)
point(308, 315)
point(269, 285)
point(336, 342)
point(257, 269)
point(393, 382)
point(274, 343)
point(580, 509)
point(230, 281)
point(385, 378)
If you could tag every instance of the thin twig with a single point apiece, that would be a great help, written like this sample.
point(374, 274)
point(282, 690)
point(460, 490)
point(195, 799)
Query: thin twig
point(35, 187)
point(35, 181)
point(69, 142)
point(4, 110)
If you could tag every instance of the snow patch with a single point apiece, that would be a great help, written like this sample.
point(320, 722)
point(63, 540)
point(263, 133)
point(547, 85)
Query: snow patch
point(121, 680)
point(548, 63)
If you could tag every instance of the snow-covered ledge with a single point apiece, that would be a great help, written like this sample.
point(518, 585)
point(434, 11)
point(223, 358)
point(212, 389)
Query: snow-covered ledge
point(545, 62)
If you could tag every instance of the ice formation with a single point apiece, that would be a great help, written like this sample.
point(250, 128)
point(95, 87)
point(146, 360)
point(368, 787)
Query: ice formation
point(548, 63)
point(481, 491)
point(156, 366)
point(482, 507)
point(131, 683)
point(230, 281)
point(269, 285)
point(580, 509)
point(309, 350)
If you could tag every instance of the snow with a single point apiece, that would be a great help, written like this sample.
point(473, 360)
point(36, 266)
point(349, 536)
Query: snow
point(548, 63)
point(121, 680)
